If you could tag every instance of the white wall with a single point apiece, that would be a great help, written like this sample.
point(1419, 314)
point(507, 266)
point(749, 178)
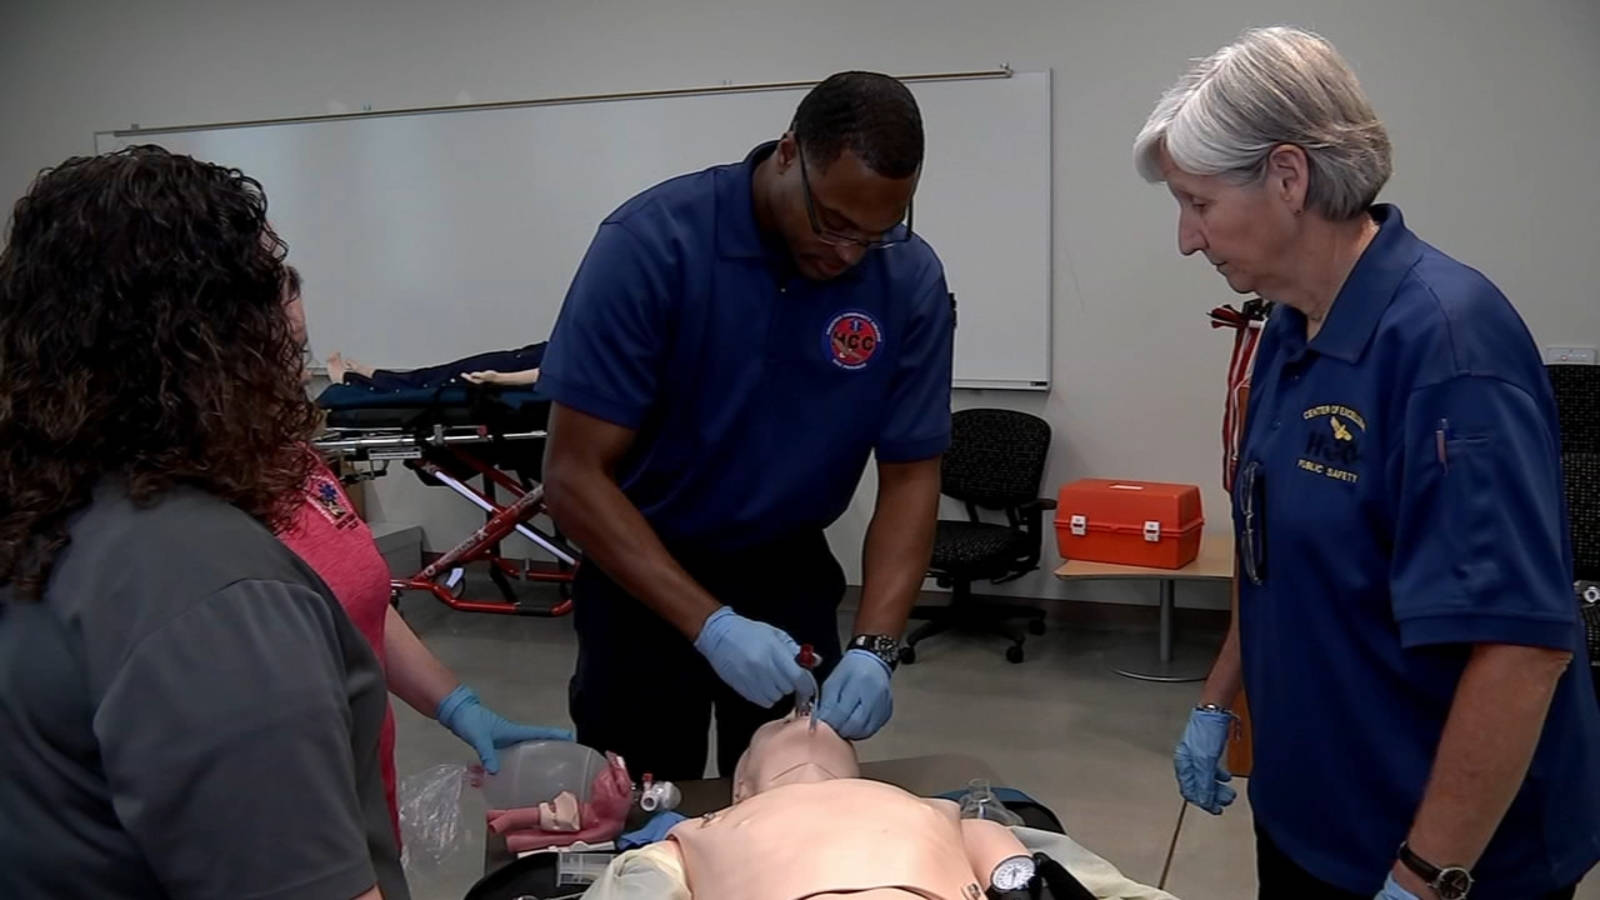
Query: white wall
point(1490, 104)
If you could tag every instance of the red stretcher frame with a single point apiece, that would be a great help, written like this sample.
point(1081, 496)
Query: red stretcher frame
point(483, 545)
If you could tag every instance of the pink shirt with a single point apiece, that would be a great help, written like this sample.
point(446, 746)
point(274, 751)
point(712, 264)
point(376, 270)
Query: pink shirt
point(333, 540)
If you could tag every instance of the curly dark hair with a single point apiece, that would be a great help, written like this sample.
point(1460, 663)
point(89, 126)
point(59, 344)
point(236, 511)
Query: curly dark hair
point(143, 337)
point(870, 114)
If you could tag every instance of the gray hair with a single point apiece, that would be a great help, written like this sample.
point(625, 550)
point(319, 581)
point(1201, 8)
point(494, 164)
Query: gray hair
point(1272, 86)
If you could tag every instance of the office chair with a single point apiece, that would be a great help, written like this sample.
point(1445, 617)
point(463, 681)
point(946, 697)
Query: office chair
point(995, 461)
point(1577, 391)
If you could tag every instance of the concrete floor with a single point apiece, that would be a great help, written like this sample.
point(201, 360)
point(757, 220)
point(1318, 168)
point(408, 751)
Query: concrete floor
point(1093, 746)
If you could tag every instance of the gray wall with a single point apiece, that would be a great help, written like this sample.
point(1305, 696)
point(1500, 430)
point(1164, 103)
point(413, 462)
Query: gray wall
point(1490, 104)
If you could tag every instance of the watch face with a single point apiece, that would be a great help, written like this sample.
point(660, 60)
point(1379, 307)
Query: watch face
point(882, 646)
point(1453, 884)
point(876, 643)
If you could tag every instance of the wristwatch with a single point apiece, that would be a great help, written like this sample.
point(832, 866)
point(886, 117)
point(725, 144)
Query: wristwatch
point(883, 646)
point(1449, 882)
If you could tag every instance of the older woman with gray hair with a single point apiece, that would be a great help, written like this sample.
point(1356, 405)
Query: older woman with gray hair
point(1406, 626)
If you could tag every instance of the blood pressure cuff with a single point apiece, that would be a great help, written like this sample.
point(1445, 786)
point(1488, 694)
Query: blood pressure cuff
point(1051, 881)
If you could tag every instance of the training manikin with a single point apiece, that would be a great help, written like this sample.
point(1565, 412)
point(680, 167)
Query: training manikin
point(805, 825)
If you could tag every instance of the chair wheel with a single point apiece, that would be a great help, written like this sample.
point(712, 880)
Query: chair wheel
point(1014, 653)
point(908, 655)
point(1036, 626)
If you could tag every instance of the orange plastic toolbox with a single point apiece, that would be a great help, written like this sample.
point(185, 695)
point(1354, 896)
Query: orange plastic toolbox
point(1134, 523)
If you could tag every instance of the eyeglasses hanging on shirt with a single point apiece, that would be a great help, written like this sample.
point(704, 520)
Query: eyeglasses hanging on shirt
point(899, 234)
point(1250, 495)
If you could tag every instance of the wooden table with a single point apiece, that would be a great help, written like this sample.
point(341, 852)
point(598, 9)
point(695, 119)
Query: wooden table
point(1215, 563)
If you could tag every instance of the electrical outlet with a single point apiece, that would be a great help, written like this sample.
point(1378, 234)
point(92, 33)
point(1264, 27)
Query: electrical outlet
point(1582, 356)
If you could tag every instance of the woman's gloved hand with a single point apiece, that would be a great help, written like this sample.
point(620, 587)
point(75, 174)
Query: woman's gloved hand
point(486, 730)
point(1393, 891)
point(1198, 761)
point(753, 658)
point(855, 699)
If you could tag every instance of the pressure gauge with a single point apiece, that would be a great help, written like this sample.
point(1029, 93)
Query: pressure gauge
point(1012, 874)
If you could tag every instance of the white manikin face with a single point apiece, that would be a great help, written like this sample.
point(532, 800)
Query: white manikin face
point(787, 751)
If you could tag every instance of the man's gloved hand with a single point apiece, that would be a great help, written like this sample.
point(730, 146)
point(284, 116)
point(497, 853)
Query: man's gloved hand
point(1393, 891)
point(486, 730)
point(1198, 761)
point(856, 700)
point(753, 658)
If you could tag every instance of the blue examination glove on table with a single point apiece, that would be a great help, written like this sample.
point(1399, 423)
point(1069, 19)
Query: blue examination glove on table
point(1198, 761)
point(1393, 891)
point(486, 730)
point(855, 699)
point(652, 831)
point(753, 658)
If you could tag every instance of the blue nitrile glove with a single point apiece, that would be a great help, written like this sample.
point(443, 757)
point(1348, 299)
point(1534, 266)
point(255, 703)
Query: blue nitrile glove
point(1393, 891)
point(1198, 761)
point(654, 830)
point(855, 699)
point(753, 658)
point(485, 729)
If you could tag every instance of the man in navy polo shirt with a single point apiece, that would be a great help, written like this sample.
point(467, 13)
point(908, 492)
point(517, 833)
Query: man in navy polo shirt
point(736, 344)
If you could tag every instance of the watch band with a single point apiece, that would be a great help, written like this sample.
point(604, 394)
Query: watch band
point(885, 647)
point(1449, 882)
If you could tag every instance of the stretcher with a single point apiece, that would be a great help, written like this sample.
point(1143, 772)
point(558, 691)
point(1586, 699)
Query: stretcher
point(448, 437)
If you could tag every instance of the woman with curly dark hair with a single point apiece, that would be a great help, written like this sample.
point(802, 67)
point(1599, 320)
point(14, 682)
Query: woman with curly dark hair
point(185, 711)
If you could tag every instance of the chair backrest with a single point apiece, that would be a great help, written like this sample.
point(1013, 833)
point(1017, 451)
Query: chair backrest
point(996, 457)
point(1577, 391)
point(1582, 471)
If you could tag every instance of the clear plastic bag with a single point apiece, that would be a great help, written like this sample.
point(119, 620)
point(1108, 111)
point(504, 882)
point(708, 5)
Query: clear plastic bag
point(980, 802)
point(430, 818)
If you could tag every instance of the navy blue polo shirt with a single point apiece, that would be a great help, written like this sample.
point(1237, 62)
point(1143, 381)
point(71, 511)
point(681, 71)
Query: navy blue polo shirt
point(1409, 497)
point(757, 395)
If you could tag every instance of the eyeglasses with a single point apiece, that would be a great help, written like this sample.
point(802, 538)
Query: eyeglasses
point(1250, 494)
point(899, 234)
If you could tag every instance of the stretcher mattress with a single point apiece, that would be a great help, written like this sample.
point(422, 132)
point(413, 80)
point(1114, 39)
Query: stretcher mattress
point(357, 407)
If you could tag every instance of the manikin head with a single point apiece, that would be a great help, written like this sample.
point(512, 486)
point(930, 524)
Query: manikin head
point(787, 751)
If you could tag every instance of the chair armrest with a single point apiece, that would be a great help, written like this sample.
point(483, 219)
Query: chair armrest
point(1032, 515)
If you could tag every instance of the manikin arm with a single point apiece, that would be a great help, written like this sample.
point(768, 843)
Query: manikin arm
point(508, 379)
point(988, 845)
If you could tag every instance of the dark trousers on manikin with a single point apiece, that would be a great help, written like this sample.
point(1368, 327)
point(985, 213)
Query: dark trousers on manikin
point(1281, 878)
point(642, 691)
point(519, 360)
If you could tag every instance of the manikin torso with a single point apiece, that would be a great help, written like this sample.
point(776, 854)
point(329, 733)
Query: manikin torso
point(805, 825)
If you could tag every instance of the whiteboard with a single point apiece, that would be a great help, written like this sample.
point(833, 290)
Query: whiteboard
point(428, 236)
